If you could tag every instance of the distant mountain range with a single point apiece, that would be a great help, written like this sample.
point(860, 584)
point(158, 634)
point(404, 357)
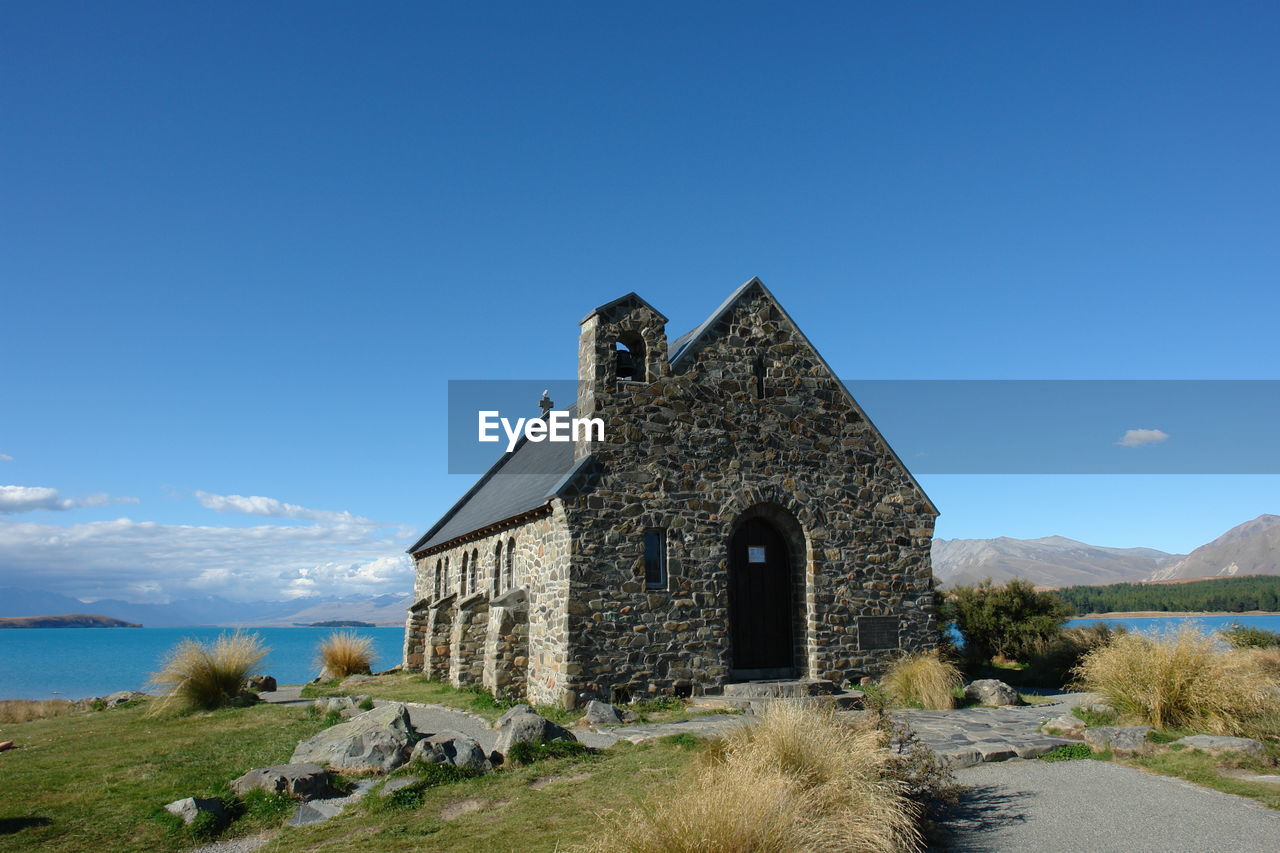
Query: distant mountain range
point(213, 610)
point(66, 620)
point(1252, 548)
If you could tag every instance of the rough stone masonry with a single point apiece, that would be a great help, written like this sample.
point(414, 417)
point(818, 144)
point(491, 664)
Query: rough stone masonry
point(742, 520)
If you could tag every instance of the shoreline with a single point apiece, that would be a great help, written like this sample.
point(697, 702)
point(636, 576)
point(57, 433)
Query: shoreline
point(1173, 614)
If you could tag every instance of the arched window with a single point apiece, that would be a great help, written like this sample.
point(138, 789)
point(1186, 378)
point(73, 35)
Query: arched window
point(497, 568)
point(438, 576)
point(508, 569)
point(628, 355)
point(475, 571)
point(462, 577)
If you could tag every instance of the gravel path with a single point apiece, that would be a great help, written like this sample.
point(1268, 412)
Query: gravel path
point(1101, 807)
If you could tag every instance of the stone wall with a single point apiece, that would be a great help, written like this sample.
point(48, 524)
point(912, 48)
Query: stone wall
point(749, 422)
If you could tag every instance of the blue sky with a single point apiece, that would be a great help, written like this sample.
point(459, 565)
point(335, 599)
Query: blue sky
point(244, 248)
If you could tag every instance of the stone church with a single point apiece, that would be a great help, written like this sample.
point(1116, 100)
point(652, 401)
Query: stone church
point(742, 520)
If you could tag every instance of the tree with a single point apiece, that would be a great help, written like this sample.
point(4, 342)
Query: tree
point(1007, 621)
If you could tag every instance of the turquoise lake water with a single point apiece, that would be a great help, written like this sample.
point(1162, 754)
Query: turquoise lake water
point(72, 663)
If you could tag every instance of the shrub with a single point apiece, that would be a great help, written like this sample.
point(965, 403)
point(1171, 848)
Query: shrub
point(1180, 680)
point(345, 653)
point(1246, 636)
point(798, 780)
point(1005, 621)
point(207, 675)
point(1067, 752)
point(924, 680)
point(527, 752)
point(1054, 659)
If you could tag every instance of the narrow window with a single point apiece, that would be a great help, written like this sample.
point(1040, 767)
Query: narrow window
point(497, 569)
point(462, 577)
point(629, 357)
point(437, 587)
point(759, 372)
point(475, 571)
point(655, 559)
point(444, 581)
point(509, 568)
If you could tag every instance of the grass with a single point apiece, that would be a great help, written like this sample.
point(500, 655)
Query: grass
point(99, 781)
point(798, 780)
point(1068, 752)
point(1182, 680)
point(406, 687)
point(26, 710)
point(923, 680)
point(1203, 769)
point(562, 813)
point(204, 676)
point(345, 653)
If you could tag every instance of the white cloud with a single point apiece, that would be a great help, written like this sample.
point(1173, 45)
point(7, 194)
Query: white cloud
point(15, 499)
point(5, 457)
point(1139, 437)
point(123, 558)
point(272, 508)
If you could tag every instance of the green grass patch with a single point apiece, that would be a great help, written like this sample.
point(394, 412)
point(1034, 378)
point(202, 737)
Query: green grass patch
point(100, 781)
point(1204, 769)
point(1093, 719)
point(408, 687)
point(1068, 752)
point(513, 816)
point(522, 754)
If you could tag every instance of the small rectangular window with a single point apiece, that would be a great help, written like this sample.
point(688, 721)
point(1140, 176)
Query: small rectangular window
point(655, 559)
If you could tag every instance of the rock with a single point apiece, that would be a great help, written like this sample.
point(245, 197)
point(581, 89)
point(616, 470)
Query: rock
point(1066, 725)
point(397, 668)
point(192, 807)
point(991, 691)
point(601, 714)
point(449, 747)
point(353, 681)
point(304, 781)
point(1100, 708)
point(513, 711)
point(524, 726)
point(347, 706)
point(120, 697)
point(1217, 743)
point(396, 784)
point(262, 684)
point(244, 699)
point(1118, 738)
point(379, 740)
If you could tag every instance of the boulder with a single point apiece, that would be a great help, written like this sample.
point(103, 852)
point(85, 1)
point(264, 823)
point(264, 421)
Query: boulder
point(353, 681)
point(262, 684)
point(601, 714)
point(115, 700)
point(304, 781)
point(449, 747)
point(244, 699)
point(1122, 739)
point(347, 706)
point(524, 726)
point(379, 740)
point(396, 784)
point(991, 691)
point(1216, 743)
point(192, 807)
point(1066, 725)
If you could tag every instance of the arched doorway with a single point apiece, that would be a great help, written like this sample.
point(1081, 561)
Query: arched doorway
point(761, 609)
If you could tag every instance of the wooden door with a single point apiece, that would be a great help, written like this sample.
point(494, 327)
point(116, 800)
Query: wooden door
point(760, 598)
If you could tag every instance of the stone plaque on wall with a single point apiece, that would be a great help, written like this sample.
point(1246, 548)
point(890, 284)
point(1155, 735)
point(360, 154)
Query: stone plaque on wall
point(877, 632)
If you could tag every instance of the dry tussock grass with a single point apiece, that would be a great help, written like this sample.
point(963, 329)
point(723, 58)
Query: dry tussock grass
point(799, 780)
point(345, 653)
point(207, 675)
point(1181, 680)
point(923, 679)
point(26, 710)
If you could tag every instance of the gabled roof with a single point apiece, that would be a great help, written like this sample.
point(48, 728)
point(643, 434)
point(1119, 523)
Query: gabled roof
point(632, 297)
point(533, 473)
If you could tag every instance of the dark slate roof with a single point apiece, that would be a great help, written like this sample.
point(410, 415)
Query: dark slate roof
point(522, 480)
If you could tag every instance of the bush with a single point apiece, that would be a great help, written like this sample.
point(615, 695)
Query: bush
point(1005, 621)
point(204, 676)
point(1067, 752)
point(1246, 636)
point(1182, 680)
point(923, 680)
point(1053, 660)
point(345, 653)
point(798, 780)
point(527, 752)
